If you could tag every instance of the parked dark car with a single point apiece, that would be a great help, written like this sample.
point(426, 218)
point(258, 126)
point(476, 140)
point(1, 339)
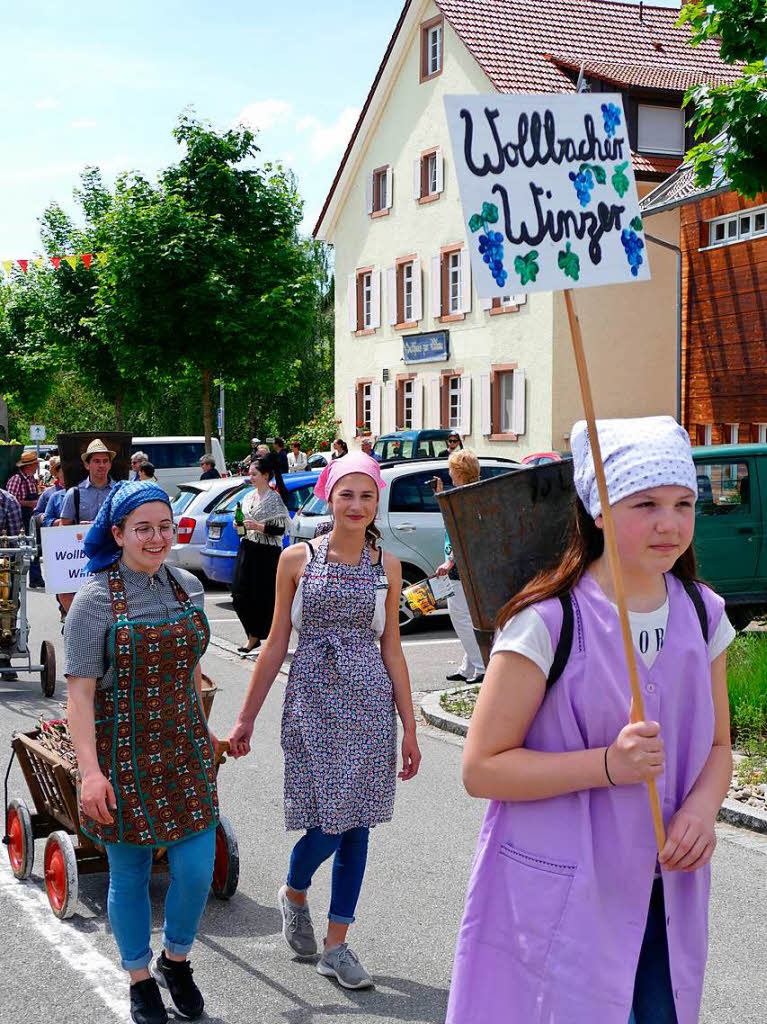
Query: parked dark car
point(222, 543)
point(412, 444)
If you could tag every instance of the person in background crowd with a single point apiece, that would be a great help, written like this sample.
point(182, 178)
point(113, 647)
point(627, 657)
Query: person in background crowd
point(282, 455)
point(135, 461)
point(146, 472)
point(254, 443)
point(81, 504)
point(23, 486)
point(255, 567)
point(296, 458)
point(339, 731)
point(454, 444)
point(463, 467)
point(208, 467)
point(367, 448)
point(56, 489)
point(11, 524)
point(340, 448)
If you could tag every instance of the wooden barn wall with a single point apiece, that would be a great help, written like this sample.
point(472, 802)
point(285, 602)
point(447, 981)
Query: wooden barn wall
point(724, 324)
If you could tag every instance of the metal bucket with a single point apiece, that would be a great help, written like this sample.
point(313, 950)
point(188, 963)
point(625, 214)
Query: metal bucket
point(504, 531)
point(72, 446)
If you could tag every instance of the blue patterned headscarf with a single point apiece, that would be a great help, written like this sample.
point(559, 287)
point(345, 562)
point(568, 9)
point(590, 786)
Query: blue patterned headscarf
point(100, 545)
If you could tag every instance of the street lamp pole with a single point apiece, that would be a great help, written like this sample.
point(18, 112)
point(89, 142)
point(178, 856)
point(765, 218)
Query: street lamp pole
point(675, 249)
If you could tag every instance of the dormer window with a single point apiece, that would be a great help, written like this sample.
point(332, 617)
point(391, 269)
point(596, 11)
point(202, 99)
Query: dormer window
point(661, 130)
point(432, 48)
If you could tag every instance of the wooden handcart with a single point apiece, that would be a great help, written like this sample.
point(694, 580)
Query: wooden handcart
point(51, 784)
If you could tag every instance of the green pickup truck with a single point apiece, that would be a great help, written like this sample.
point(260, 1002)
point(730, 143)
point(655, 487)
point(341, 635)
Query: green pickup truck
point(730, 516)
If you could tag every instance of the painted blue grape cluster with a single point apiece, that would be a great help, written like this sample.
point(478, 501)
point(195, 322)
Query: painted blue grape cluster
point(491, 249)
point(611, 116)
point(584, 185)
point(633, 245)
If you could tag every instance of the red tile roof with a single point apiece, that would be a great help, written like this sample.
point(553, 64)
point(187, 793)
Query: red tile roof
point(640, 76)
point(644, 164)
point(510, 40)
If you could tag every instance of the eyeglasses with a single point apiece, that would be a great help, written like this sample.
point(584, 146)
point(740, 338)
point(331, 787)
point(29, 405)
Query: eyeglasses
point(144, 533)
point(453, 440)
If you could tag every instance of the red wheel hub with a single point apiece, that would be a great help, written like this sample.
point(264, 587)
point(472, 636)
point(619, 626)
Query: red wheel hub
point(16, 837)
point(221, 862)
point(55, 876)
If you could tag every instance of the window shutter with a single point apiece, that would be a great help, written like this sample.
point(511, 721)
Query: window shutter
point(465, 280)
point(440, 171)
point(435, 407)
point(518, 405)
point(389, 414)
point(485, 303)
point(465, 427)
point(391, 294)
point(389, 188)
point(436, 286)
point(375, 409)
point(351, 411)
point(369, 193)
point(417, 291)
point(484, 405)
point(375, 298)
point(417, 405)
point(416, 180)
point(351, 299)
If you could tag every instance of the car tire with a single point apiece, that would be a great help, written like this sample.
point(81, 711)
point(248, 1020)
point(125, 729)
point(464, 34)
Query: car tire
point(740, 616)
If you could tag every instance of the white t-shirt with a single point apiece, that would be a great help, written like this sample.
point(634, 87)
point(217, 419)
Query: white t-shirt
point(526, 633)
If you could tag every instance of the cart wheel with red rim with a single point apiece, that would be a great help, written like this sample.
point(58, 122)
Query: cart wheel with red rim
point(21, 841)
point(61, 874)
point(226, 867)
point(48, 673)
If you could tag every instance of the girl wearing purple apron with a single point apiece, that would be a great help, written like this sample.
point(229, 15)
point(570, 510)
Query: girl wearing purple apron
point(134, 639)
point(348, 675)
point(571, 916)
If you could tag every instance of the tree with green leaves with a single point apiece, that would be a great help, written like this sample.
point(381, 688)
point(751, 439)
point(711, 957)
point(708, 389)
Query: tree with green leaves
point(731, 120)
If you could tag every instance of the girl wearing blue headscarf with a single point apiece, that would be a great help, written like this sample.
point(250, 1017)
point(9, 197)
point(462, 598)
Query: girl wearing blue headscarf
point(134, 638)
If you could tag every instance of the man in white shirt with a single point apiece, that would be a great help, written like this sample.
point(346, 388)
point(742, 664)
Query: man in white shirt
point(296, 459)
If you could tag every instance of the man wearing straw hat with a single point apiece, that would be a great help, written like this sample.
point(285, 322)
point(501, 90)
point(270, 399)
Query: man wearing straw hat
point(23, 486)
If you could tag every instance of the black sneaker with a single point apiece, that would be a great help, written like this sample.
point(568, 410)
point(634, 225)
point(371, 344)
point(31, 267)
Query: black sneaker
point(146, 1005)
point(176, 976)
point(456, 677)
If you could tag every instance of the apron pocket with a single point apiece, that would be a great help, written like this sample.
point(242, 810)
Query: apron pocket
point(525, 905)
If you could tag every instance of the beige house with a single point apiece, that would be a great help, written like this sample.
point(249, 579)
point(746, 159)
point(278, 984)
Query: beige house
point(415, 348)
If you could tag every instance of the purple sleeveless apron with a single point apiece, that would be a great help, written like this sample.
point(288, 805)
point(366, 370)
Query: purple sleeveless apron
point(560, 888)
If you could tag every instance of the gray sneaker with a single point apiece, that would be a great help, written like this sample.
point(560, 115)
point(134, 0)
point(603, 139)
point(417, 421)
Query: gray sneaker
point(341, 963)
point(297, 927)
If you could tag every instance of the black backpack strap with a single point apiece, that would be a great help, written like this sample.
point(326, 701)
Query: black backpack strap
point(694, 595)
point(565, 642)
point(77, 504)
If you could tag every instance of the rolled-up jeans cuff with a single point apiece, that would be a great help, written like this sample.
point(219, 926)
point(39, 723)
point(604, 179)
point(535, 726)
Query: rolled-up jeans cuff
point(340, 920)
point(179, 948)
point(295, 888)
point(139, 963)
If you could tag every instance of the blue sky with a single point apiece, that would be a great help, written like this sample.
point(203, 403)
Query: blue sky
point(102, 83)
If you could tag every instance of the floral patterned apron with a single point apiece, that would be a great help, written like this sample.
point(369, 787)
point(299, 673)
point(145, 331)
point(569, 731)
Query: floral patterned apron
point(152, 739)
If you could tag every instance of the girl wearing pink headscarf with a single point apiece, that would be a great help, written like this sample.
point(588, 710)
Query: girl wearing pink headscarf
point(348, 677)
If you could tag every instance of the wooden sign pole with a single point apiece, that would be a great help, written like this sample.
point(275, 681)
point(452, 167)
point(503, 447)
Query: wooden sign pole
point(611, 547)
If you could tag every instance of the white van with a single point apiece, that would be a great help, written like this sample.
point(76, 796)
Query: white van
point(176, 460)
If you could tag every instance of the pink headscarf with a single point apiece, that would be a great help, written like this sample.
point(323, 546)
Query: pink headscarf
point(354, 462)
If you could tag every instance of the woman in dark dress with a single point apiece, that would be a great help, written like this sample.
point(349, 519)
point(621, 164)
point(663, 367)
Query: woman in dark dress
point(255, 569)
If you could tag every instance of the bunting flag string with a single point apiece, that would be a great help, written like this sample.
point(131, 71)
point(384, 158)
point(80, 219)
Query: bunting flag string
point(55, 261)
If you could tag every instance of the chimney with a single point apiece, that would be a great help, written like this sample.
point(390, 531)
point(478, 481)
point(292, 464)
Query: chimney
point(641, 10)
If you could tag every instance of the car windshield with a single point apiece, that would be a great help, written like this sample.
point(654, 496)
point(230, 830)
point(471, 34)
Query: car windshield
point(394, 449)
point(182, 500)
point(229, 502)
point(315, 507)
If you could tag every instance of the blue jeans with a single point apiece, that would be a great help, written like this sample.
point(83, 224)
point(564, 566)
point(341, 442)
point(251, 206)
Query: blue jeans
point(351, 854)
point(653, 992)
point(130, 913)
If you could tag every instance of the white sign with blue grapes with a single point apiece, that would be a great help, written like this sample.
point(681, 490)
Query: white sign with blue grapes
point(548, 191)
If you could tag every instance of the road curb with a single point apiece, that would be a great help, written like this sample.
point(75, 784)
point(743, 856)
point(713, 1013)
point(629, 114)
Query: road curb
point(731, 811)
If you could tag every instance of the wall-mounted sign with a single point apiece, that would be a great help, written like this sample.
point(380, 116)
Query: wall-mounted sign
point(426, 348)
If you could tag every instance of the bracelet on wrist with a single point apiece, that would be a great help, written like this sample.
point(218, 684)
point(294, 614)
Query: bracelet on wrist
point(607, 770)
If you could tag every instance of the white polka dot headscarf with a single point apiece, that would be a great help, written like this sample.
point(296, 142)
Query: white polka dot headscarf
point(650, 451)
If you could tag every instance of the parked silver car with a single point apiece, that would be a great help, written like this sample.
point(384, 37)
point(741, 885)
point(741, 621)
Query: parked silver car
point(409, 518)
point(191, 506)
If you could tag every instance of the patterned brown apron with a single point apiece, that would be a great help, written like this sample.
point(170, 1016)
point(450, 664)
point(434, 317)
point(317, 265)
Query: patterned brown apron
point(152, 739)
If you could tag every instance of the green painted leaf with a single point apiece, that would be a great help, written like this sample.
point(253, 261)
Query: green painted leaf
point(636, 223)
point(569, 262)
point(619, 180)
point(490, 212)
point(527, 267)
point(600, 174)
point(475, 223)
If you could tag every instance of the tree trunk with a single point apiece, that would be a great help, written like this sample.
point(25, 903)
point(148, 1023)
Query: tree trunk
point(119, 411)
point(206, 417)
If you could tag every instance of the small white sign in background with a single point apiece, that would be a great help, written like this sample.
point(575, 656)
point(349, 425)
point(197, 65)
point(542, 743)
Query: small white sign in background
point(548, 191)
point(36, 432)
point(64, 558)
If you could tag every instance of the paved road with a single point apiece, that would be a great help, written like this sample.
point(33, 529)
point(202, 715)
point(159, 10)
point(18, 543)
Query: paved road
point(408, 914)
